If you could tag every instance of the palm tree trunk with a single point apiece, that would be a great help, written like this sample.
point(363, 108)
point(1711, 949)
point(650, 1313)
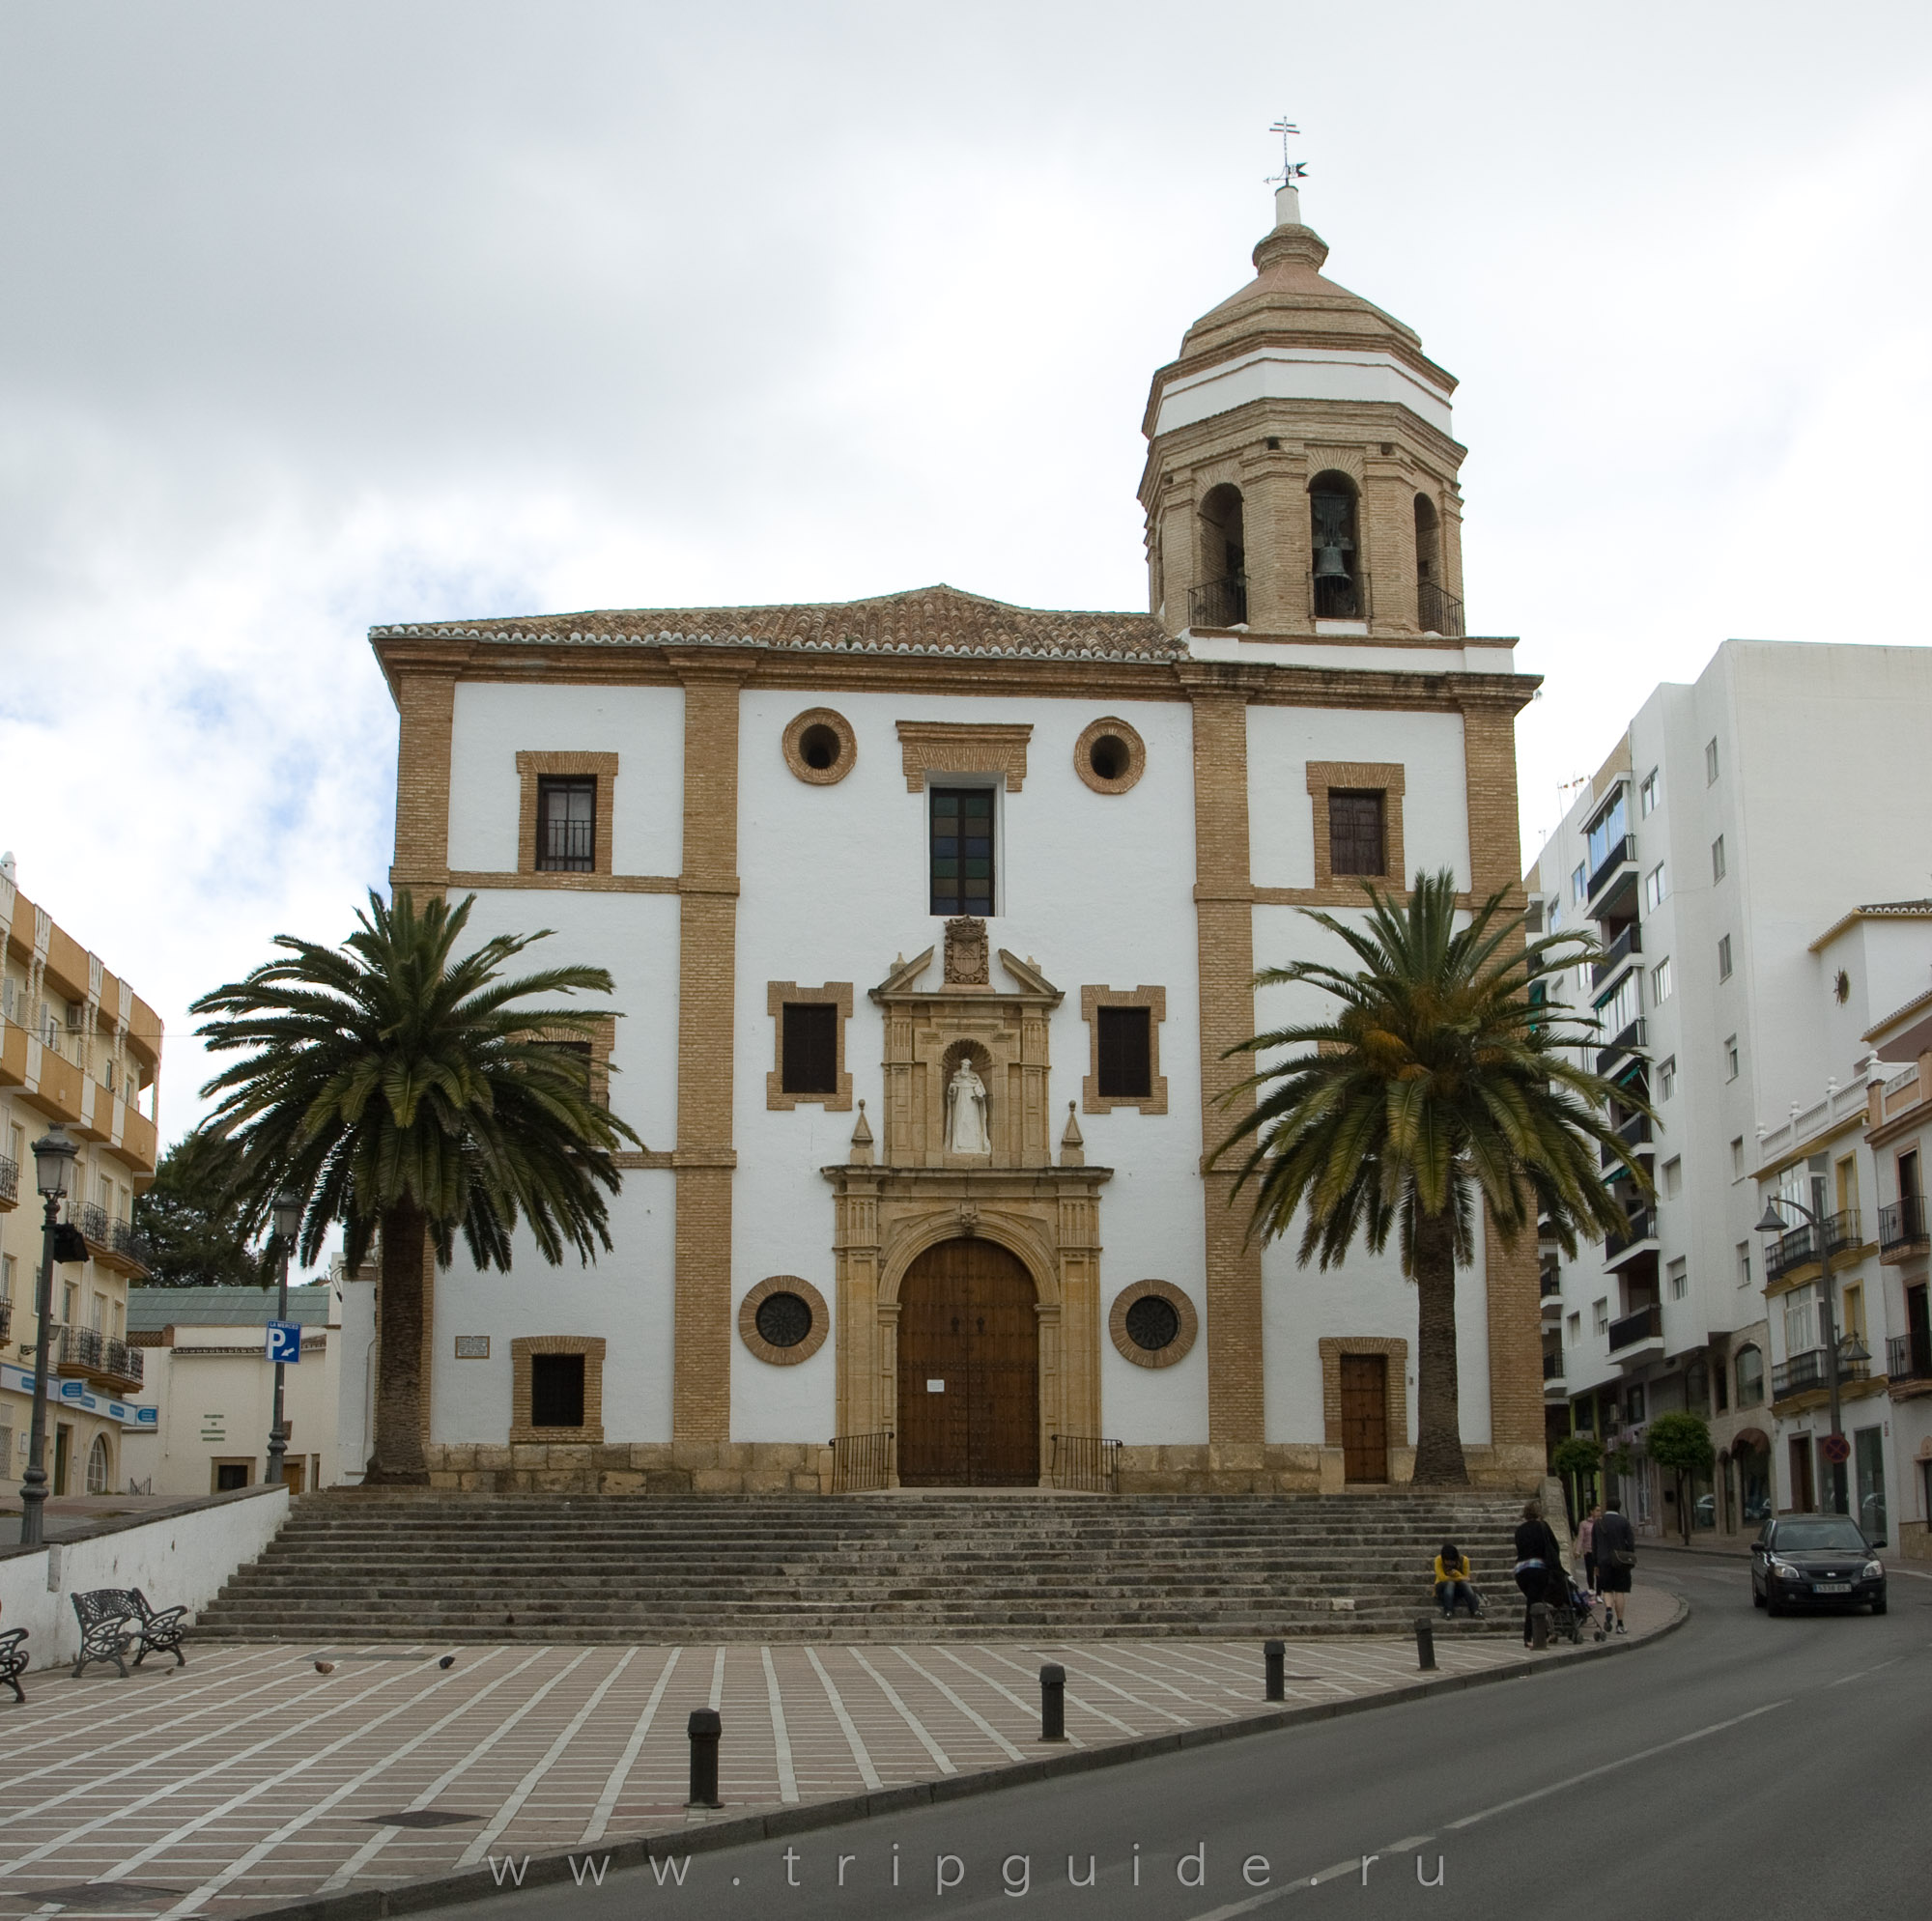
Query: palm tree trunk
point(1439, 1429)
point(398, 1460)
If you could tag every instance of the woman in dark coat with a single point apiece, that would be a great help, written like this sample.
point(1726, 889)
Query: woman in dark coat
point(1539, 1561)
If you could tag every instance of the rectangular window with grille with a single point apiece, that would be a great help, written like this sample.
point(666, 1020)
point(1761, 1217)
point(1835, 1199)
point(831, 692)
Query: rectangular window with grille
point(557, 1390)
point(1357, 842)
point(811, 1053)
point(566, 826)
point(962, 850)
point(1126, 1053)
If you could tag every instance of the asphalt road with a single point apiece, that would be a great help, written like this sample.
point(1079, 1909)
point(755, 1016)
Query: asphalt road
point(1739, 1766)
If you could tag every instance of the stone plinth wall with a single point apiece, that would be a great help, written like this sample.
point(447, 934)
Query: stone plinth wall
point(634, 1467)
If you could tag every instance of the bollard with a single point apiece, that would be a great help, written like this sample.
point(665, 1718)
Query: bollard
point(704, 1728)
point(1425, 1642)
point(1052, 1702)
point(1539, 1624)
point(1275, 1654)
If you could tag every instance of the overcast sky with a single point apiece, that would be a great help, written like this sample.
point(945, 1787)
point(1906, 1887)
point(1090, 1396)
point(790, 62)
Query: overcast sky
point(320, 316)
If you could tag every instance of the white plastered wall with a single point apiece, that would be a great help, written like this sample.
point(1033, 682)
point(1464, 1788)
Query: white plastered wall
point(1097, 889)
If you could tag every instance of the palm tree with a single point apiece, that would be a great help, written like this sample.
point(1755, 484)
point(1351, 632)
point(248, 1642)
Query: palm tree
point(1441, 1084)
point(407, 1092)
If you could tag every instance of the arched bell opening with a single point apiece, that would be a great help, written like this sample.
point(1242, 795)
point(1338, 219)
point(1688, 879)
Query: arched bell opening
point(1338, 586)
point(1221, 598)
point(1437, 609)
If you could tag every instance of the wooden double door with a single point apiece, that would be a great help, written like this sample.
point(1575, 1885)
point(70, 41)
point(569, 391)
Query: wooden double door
point(969, 1369)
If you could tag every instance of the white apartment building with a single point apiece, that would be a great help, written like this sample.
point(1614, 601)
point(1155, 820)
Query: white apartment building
point(1732, 826)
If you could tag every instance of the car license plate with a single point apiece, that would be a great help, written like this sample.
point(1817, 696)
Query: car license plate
point(1830, 1587)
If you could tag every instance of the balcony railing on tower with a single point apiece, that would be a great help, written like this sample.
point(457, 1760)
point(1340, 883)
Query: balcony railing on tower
point(1222, 602)
point(1438, 611)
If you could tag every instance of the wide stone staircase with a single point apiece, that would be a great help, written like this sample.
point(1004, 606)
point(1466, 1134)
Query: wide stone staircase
point(351, 1567)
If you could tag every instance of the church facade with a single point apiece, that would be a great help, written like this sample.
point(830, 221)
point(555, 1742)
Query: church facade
point(932, 922)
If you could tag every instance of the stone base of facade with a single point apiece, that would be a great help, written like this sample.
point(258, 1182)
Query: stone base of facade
point(803, 1467)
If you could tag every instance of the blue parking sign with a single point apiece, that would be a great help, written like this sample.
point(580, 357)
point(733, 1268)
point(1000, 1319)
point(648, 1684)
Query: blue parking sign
point(285, 1340)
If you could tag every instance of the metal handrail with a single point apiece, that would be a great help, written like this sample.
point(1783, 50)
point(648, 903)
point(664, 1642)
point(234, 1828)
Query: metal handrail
point(1222, 602)
point(862, 1463)
point(1908, 1357)
point(9, 1180)
point(6, 1322)
point(1552, 1367)
point(1803, 1372)
point(1438, 611)
point(1630, 941)
point(94, 1223)
point(1801, 1244)
point(1085, 1463)
point(132, 1246)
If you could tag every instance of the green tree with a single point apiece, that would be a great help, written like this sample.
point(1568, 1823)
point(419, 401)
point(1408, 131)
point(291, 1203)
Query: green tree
point(411, 1092)
point(1577, 1459)
point(194, 1223)
point(1440, 1090)
point(1680, 1444)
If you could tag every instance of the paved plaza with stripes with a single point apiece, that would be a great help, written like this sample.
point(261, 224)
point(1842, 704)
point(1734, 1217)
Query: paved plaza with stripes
point(248, 1780)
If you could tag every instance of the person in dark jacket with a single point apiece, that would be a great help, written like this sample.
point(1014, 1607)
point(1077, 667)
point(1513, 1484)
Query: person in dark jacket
point(1613, 1540)
point(1539, 1562)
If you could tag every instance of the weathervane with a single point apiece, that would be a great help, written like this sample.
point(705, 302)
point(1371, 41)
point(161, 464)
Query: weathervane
point(1290, 170)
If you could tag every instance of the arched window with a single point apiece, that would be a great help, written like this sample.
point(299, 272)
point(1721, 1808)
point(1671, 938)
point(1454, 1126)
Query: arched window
point(1337, 581)
point(96, 1465)
point(1221, 600)
point(1436, 611)
point(1750, 1378)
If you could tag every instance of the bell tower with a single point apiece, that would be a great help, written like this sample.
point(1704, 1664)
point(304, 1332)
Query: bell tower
point(1301, 471)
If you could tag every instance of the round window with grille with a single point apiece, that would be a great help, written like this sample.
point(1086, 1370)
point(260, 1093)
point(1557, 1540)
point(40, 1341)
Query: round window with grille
point(783, 1320)
point(1153, 1324)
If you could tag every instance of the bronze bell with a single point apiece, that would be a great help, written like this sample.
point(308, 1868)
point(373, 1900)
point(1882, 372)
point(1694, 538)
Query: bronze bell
point(1330, 564)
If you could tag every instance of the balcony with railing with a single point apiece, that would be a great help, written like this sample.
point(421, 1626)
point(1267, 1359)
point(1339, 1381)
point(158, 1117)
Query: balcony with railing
point(1222, 602)
point(1630, 941)
point(1908, 1359)
point(1639, 1231)
point(1902, 1228)
point(1801, 1245)
point(1635, 1134)
point(1639, 1333)
point(1628, 1039)
point(6, 1320)
point(1805, 1373)
point(10, 1183)
point(1438, 611)
point(1617, 868)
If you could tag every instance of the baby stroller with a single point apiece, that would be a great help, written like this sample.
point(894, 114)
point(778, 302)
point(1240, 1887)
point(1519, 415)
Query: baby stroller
point(1573, 1611)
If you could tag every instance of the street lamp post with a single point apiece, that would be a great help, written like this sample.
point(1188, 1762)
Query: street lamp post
point(53, 1160)
point(288, 1220)
point(1772, 1223)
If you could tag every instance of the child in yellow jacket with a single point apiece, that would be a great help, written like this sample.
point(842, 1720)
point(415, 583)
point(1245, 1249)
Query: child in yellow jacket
point(1455, 1582)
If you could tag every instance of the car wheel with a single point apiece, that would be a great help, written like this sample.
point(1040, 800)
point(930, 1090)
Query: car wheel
point(1757, 1599)
point(1772, 1605)
point(1878, 1606)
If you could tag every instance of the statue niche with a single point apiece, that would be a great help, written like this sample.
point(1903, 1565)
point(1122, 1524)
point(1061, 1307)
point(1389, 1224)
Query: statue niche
point(967, 1125)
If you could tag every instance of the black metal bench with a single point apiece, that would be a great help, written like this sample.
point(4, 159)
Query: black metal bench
point(12, 1660)
point(113, 1620)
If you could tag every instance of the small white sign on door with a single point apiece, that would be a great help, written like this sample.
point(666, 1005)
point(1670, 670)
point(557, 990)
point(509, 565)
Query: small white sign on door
point(935, 1387)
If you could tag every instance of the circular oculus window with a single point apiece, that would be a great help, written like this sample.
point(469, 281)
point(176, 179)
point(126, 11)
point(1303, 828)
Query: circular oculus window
point(1152, 1323)
point(783, 1320)
point(821, 746)
point(1110, 756)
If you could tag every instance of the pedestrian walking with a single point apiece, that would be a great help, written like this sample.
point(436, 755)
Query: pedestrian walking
point(1587, 1546)
point(1455, 1583)
point(1615, 1542)
point(1539, 1562)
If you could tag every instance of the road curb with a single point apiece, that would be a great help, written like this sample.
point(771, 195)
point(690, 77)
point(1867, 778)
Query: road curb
point(547, 1870)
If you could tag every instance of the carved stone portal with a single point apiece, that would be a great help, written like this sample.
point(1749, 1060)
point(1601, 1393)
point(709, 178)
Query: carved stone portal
point(926, 1191)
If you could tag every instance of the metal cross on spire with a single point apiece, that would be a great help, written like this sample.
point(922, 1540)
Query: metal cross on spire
point(1290, 170)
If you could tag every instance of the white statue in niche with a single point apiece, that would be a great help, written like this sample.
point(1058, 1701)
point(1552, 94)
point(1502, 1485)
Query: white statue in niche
point(966, 1111)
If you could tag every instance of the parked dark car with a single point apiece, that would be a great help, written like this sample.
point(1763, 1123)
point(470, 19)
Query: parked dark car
point(1815, 1561)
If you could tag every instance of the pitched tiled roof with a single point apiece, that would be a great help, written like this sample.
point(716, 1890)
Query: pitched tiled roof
point(924, 620)
point(151, 1309)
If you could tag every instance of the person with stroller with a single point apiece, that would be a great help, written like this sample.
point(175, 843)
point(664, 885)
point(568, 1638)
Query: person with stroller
point(1455, 1583)
point(1538, 1565)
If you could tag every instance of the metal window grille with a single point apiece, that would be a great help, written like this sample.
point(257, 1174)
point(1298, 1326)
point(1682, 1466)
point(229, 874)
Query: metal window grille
point(1125, 1048)
point(1357, 839)
point(566, 826)
point(809, 1062)
point(962, 850)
